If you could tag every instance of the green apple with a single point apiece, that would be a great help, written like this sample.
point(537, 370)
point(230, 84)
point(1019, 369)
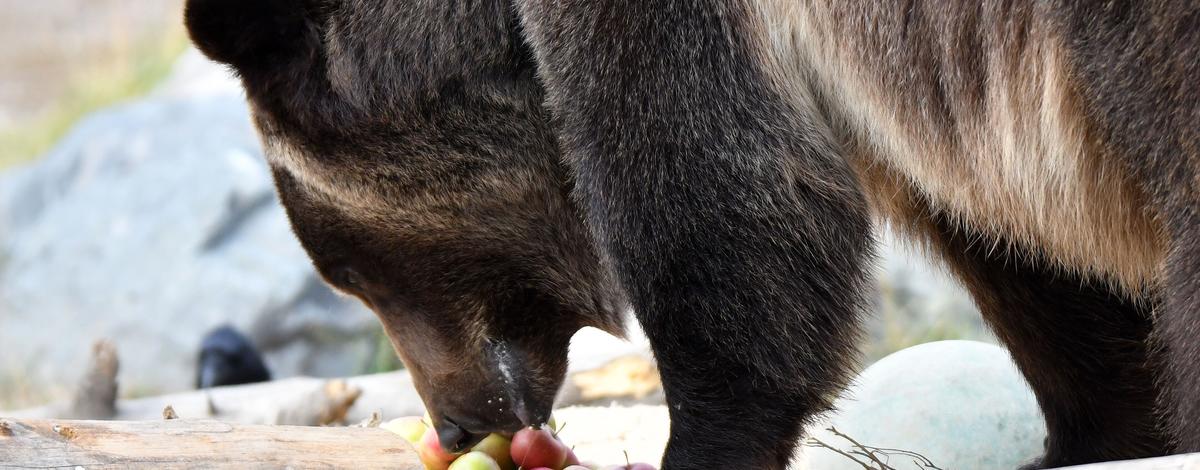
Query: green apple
point(410, 428)
point(497, 447)
point(474, 461)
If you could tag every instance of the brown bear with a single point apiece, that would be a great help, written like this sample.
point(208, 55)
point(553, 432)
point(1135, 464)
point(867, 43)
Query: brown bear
point(491, 175)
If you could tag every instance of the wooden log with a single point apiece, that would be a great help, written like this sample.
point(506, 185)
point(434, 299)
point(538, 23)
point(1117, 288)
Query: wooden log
point(186, 444)
point(1172, 462)
point(626, 380)
point(297, 401)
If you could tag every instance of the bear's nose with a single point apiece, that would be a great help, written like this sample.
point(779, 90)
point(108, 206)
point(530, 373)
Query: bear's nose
point(455, 438)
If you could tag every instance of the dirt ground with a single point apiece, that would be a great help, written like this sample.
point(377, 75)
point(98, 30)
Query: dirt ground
point(46, 43)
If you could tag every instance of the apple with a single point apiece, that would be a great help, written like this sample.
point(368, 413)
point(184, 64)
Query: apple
point(431, 452)
point(571, 458)
point(410, 428)
point(432, 463)
point(474, 461)
point(497, 446)
point(532, 448)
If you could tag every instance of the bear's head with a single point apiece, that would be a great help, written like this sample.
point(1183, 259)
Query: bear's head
point(421, 173)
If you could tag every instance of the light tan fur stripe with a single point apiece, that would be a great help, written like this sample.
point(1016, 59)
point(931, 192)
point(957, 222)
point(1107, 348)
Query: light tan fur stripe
point(983, 120)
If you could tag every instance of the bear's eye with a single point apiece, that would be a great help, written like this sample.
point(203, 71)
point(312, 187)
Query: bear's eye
point(349, 278)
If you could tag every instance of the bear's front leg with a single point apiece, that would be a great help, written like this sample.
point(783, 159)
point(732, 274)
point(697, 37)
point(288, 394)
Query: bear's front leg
point(738, 231)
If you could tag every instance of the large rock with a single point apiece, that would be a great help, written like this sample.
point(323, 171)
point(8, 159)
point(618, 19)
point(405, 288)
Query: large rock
point(961, 404)
point(149, 224)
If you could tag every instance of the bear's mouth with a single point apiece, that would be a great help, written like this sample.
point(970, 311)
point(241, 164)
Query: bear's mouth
point(457, 438)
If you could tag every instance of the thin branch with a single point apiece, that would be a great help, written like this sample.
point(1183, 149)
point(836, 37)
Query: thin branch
point(922, 460)
point(869, 454)
point(879, 458)
point(819, 443)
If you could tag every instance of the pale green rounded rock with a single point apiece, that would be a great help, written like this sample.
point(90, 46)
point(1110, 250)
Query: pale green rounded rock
point(962, 404)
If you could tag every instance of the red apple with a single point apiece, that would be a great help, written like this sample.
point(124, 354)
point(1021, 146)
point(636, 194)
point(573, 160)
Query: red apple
point(571, 458)
point(431, 452)
point(532, 448)
point(432, 463)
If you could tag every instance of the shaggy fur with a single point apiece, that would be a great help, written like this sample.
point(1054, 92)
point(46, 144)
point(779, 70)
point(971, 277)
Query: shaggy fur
point(419, 171)
point(976, 104)
point(726, 158)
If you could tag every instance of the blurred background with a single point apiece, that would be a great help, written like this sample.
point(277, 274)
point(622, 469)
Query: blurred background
point(135, 206)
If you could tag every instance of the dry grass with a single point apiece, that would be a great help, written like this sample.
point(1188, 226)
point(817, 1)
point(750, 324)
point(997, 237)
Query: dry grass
point(18, 391)
point(62, 59)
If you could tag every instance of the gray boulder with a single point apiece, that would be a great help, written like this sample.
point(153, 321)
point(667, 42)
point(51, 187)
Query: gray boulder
point(149, 224)
point(961, 404)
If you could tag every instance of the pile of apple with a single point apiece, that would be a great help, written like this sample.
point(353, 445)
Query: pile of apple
point(528, 449)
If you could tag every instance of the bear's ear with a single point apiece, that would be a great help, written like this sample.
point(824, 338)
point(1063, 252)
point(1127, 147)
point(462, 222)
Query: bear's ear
point(249, 34)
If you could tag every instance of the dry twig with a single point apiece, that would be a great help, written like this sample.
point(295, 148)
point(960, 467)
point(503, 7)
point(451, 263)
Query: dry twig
point(878, 458)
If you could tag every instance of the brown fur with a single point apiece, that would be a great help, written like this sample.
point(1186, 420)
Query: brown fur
point(423, 178)
point(975, 106)
point(723, 158)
